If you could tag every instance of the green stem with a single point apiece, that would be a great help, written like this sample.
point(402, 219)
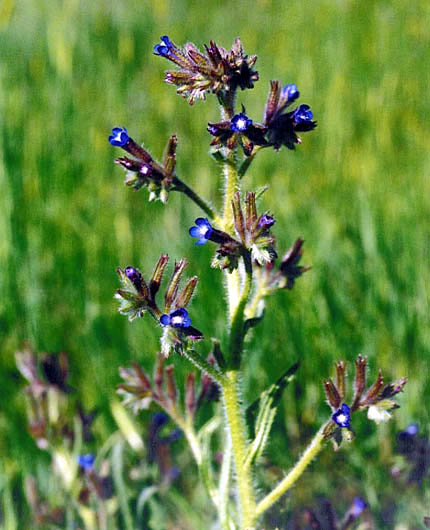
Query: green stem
point(252, 307)
point(314, 448)
point(236, 424)
point(237, 332)
point(203, 365)
point(179, 185)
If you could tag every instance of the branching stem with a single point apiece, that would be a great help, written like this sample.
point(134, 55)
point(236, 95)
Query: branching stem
point(313, 449)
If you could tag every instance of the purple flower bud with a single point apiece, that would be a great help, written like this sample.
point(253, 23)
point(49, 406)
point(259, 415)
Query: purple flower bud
point(290, 93)
point(240, 122)
point(86, 461)
point(119, 137)
point(266, 221)
point(134, 276)
point(303, 114)
point(342, 417)
point(177, 319)
point(203, 230)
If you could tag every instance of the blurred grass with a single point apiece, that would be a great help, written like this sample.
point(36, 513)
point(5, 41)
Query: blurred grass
point(357, 191)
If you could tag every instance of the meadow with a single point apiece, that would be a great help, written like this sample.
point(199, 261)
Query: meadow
point(357, 191)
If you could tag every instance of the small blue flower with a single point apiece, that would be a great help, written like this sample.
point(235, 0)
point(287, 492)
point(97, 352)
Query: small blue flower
point(203, 231)
point(86, 461)
point(342, 417)
point(240, 122)
point(303, 114)
point(357, 507)
point(177, 319)
point(119, 137)
point(290, 93)
point(164, 48)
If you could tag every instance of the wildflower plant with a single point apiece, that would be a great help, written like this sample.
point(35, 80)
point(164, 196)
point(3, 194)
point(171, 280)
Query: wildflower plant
point(245, 251)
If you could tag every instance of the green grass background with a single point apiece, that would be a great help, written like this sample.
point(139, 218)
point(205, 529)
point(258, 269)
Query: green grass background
point(357, 191)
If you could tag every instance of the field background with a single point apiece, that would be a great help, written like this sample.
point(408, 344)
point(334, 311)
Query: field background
point(357, 191)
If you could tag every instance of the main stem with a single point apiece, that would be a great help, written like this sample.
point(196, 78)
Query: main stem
point(236, 425)
point(237, 296)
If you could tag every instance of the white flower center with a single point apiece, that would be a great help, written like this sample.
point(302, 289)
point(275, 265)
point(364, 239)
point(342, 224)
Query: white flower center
point(342, 418)
point(177, 320)
point(241, 124)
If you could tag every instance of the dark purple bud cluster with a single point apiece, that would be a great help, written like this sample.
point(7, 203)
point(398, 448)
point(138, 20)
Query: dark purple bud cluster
point(219, 72)
point(377, 399)
point(284, 275)
point(142, 170)
point(281, 126)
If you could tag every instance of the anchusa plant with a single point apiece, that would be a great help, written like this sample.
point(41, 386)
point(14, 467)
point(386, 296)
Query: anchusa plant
point(245, 251)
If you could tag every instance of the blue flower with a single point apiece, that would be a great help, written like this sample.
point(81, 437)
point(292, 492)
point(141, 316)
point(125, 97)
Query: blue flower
point(240, 122)
point(177, 319)
point(342, 417)
point(119, 137)
point(203, 231)
point(290, 93)
point(86, 461)
point(303, 114)
point(357, 507)
point(164, 48)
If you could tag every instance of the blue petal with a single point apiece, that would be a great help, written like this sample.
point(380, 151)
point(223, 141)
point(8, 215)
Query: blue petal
point(200, 221)
point(290, 92)
point(194, 231)
point(166, 41)
point(187, 322)
point(201, 241)
point(165, 320)
point(181, 312)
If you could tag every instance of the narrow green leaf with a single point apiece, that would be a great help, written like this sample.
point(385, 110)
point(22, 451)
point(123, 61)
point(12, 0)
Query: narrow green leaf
point(266, 406)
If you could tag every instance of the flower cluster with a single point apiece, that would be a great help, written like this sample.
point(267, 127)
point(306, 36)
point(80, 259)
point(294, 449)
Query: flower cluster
point(142, 170)
point(282, 127)
point(377, 399)
point(219, 72)
point(52, 416)
point(138, 391)
point(136, 297)
point(253, 230)
point(278, 128)
point(239, 129)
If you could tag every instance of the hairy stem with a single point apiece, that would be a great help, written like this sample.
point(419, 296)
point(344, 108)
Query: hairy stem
point(179, 185)
point(203, 365)
point(313, 449)
point(237, 332)
point(236, 424)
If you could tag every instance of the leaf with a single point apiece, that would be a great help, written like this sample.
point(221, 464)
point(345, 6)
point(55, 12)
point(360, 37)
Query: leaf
point(266, 405)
